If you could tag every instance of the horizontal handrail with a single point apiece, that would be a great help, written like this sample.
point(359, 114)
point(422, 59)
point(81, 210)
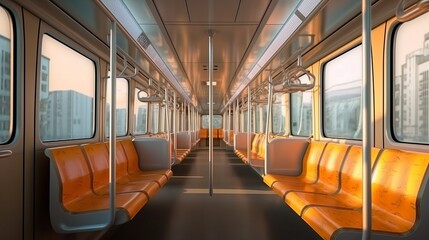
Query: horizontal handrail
point(419, 8)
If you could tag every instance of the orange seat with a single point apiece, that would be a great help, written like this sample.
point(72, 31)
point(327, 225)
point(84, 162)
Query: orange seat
point(396, 189)
point(98, 160)
point(254, 148)
point(204, 133)
point(350, 193)
point(328, 174)
point(310, 164)
point(257, 157)
point(73, 197)
point(133, 162)
point(124, 175)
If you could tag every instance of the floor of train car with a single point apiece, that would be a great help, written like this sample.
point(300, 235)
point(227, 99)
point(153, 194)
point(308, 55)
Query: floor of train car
point(242, 206)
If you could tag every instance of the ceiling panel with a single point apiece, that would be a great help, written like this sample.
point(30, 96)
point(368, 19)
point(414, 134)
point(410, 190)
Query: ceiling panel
point(252, 11)
point(229, 44)
point(219, 11)
point(172, 11)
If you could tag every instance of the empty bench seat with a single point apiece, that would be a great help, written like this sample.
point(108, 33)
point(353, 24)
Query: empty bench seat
point(398, 183)
point(327, 174)
point(74, 207)
point(133, 164)
point(98, 161)
point(350, 193)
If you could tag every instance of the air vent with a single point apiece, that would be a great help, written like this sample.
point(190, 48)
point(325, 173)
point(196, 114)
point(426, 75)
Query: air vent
point(143, 40)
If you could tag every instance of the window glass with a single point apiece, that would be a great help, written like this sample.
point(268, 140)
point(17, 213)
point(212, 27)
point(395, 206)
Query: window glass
point(301, 111)
point(261, 118)
point(258, 118)
point(155, 117)
point(121, 107)
point(342, 84)
point(279, 114)
point(140, 113)
point(6, 76)
point(245, 116)
point(162, 118)
point(217, 121)
point(66, 96)
point(411, 81)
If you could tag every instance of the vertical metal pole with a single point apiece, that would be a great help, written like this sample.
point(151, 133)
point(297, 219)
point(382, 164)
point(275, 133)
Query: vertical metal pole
point(167, 117)
point(182, 110)
point(188, 117)
point(112, 127)
point(268, 125)
point(174, 126)
point(229, 124)
point(237, 117)
point(210, 113)
point(249, 115)
point(366, 107)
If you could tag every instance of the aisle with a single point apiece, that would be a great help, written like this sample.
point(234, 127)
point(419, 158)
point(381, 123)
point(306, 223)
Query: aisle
point(242, 206)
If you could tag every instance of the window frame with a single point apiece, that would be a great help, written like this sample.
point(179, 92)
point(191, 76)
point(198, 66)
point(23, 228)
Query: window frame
point(136, 89)
point(13, 83)
point(66, 41)
point(127, 114)
point(335, 55)
point(312, 114)
point(48, 30)
point(390, 139)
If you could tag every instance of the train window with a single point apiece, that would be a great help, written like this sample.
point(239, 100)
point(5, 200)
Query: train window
point(154, 117)
point(121, 107)
point(6, 76)
point(261, 118)
point(410, 105)
point(66, 96)
point(279, 114)
point(162, 121)
point(140, 113)
point(244, 116)
point(301, 111)
point(342, 84)
point(217, 121)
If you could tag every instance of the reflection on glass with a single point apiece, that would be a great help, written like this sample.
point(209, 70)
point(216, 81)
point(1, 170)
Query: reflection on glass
point(342, 84)
point(121, 106)
point(140, 113)
point(6, 71)
point(411, 81)
point(217, 121)
point(66, 96)
point(261, 118)
point(301, 111)
point(279, 114)
point(154, 117)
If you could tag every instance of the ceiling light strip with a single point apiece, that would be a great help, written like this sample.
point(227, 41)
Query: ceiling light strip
point(307, 6)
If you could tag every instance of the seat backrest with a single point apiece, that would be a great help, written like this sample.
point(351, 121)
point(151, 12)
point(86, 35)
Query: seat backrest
point(261, 146)
point(255, 142)
point(396, 181)
point(330, 163)
point(97, 156)
point(121, 160)
point(351, 171)
point(73, 171)
point(311, 160)
point(131, 154)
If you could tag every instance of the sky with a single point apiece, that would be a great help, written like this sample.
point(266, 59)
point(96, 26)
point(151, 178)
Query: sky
point(412, 33)
point(4, 23)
